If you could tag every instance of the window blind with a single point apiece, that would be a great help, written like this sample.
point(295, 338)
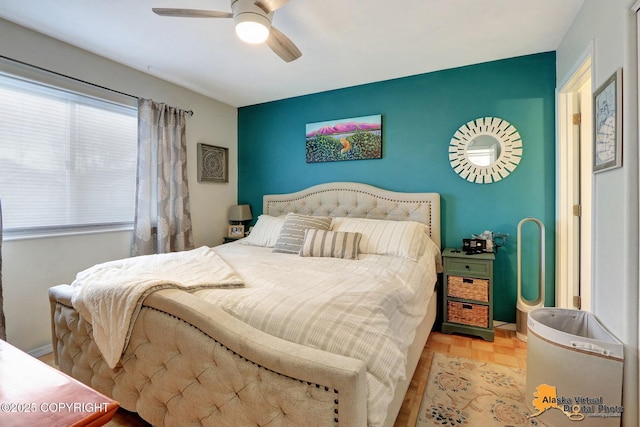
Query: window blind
point(67, 160)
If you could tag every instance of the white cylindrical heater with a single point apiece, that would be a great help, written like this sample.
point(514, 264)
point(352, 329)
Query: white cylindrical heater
point(524, 305)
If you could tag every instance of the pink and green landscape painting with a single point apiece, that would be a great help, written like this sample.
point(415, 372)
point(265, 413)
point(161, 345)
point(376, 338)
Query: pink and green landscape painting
point(356, 138)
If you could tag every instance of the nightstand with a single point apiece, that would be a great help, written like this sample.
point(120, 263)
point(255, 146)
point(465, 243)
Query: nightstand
point(231, 239)
point(468, 293)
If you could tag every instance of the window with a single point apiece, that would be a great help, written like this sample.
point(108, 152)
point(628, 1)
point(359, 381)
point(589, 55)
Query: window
point(482, 156)
point(67, 160)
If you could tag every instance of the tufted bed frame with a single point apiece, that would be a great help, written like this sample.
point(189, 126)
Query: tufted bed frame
point(189, 363)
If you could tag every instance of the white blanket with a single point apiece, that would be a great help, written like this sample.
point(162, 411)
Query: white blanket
point(110, 295)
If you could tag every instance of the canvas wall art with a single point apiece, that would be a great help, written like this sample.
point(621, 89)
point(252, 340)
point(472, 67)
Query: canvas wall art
point(355, 138)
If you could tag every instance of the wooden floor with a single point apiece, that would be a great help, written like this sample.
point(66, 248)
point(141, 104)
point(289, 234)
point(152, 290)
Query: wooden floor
point(506, 349)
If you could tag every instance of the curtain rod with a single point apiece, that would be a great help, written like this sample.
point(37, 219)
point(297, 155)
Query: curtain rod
point(189, 112)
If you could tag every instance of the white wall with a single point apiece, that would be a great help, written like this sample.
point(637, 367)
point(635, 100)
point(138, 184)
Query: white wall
point(611, 25)
point(30, 267)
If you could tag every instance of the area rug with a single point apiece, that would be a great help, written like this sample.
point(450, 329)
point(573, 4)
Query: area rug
point(464, 392)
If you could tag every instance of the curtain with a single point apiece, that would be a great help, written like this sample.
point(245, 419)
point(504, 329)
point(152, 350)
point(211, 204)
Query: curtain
point(3, 331)
point(162, 220)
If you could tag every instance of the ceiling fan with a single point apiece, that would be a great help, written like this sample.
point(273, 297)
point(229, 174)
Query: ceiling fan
point(253, 23)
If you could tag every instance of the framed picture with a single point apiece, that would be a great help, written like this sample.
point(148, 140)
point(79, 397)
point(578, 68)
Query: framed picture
point(213, 163)
point(607, 124)
point(355, 138)
point(236, 231)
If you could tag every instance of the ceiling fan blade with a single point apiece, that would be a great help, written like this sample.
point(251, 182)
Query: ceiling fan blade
point(282, 46)
point(270, 5)
point(191, 13)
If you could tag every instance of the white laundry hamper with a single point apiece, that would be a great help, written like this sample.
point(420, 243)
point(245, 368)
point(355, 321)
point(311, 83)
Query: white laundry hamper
point(572, 356)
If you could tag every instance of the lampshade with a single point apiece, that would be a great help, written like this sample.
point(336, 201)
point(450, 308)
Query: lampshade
point(240, 213)
point(252, 28)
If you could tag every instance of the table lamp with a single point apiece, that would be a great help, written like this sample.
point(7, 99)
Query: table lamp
point(240, 213)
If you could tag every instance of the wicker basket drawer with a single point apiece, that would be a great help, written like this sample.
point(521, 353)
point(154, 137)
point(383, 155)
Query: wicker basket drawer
point(468, 314)
point(468, 288)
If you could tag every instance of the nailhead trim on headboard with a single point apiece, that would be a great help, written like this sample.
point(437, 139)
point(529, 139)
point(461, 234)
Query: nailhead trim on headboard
point(360, 201)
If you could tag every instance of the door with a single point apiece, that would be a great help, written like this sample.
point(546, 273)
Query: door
point(582, 284)
point(574, 190)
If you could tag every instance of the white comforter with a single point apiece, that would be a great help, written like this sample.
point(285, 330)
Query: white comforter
point(110, 295)
point(367, 309)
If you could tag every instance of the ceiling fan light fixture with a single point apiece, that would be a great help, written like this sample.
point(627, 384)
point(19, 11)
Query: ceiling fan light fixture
point(252, 28)
point(252, 20)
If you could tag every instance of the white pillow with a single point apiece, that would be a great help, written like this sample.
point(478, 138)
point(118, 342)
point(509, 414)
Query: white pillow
point(265, 232)
point(406, 239)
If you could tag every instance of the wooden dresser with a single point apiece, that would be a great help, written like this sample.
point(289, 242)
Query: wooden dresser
point(33, 393)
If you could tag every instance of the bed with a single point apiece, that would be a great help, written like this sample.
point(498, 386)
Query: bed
point(229, 357)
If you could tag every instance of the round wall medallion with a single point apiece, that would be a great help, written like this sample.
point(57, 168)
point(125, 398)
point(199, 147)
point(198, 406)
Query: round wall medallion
point(485, 150)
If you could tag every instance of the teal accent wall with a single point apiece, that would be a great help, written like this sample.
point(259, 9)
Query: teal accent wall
point(420, 114)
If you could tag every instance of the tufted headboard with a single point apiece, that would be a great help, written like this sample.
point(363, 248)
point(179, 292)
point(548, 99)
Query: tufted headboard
point(352, 199)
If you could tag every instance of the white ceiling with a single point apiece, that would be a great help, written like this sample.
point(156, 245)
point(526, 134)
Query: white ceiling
point(343, 42)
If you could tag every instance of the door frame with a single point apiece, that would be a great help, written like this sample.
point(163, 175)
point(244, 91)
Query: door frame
point(568, 259)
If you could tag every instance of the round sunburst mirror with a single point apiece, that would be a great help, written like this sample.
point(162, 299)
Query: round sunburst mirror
point(485, 150)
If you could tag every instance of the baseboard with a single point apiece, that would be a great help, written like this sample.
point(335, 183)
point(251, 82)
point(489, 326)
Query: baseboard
point(39, 352)
point(499, 324)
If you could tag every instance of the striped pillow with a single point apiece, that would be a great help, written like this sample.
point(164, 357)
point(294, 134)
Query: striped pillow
point(335, 244)
point(292, 232)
